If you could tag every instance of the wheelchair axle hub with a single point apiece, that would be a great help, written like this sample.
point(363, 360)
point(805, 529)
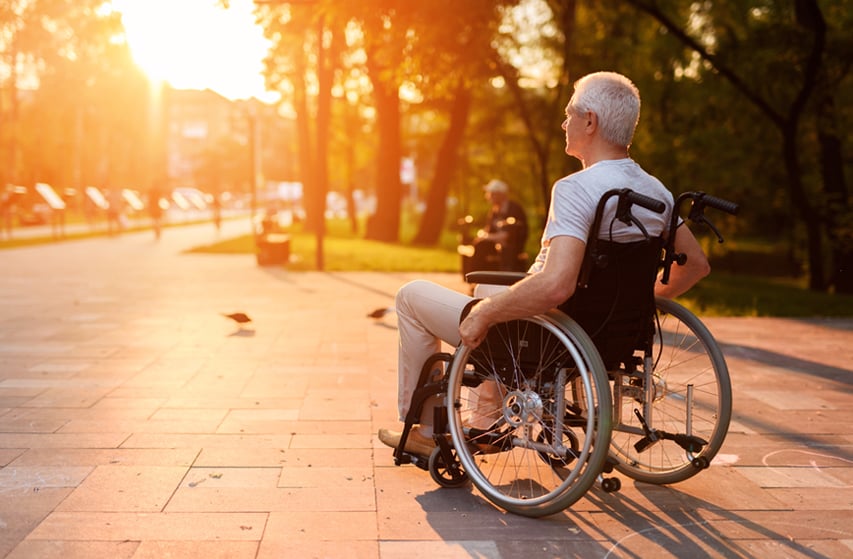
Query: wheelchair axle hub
point(522, 407)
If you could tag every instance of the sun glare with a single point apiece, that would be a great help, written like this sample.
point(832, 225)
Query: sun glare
point(194, 44)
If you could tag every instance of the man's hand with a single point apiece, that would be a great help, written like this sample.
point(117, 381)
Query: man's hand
point(695, 267)
point(473, 329)
point(533, 295)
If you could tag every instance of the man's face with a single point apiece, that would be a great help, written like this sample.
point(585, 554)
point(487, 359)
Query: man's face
point(573, 126)
point(496, 198)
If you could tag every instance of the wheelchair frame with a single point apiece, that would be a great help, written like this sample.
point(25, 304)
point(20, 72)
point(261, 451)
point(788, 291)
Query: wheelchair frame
point(558, 420)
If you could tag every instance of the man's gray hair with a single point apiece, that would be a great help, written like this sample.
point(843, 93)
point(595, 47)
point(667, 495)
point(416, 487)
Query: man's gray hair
point(614, 99)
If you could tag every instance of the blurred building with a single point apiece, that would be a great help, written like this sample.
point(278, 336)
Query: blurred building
point(217, 145)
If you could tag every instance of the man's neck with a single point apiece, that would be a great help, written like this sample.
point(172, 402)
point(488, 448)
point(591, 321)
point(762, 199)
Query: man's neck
point(604, 152)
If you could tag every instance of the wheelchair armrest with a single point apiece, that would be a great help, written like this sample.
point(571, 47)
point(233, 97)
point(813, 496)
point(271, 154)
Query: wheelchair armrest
point(494, 278)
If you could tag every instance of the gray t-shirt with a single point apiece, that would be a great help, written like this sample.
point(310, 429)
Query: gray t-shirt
point(574, 199)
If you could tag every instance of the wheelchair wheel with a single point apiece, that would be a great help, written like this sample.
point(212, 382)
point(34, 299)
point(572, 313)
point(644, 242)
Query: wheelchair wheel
point(529, 414)
point(446, 475)
point(688, 406)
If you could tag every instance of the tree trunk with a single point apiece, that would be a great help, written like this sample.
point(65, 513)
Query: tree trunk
point(446, 163)
point(305, 148)
point(326, 58)
point(837, 206)
point(384, 225)
point(803, 206)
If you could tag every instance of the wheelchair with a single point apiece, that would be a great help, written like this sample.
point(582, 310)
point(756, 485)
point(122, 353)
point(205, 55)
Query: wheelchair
point(614, 379)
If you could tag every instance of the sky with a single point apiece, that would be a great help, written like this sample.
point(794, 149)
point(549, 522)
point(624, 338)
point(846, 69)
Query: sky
point(194, 44)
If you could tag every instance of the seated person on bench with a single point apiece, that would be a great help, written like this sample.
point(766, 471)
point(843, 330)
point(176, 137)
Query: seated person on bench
point(499, 245)
point(599, 125)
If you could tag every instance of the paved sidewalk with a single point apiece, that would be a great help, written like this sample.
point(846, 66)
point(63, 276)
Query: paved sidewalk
point(137, 422)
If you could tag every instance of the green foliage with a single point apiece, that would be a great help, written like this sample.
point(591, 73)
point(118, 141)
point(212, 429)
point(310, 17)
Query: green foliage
point(725, 294)
point(700, 127)
point(86, 122)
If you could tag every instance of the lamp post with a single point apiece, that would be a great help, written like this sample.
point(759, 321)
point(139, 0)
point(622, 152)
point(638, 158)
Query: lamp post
point(253, 165)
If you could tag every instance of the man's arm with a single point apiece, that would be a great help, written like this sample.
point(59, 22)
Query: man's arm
point(696, 267)
point(533, 295)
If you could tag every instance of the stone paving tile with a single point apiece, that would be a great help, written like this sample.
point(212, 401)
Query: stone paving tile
point(335, 404)
point(775, 477)
point(23, 509)
point(21, 480)
point(259, 421)
point(54, 440)
point(31, 420)
point(124, 526)
point(441, 549)
point(62, 549)
point(7, 455)
point(333, 479)
point(330, 441)
point(196, 549)
point(307, 526)
point(824, 450)
point(698, 534)
point(357, 458)
point(97, 457)
point(728, 487)
point(115, 488)
point(208, 440)
point(210, 498)
point(277, 549)
point(815, 498)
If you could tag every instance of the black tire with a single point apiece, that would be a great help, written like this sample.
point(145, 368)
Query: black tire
point(445, 475)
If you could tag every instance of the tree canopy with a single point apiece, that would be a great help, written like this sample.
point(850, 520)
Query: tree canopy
point(745, 99)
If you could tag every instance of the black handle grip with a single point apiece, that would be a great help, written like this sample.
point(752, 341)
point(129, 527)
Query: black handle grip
point(652, 204)
point(720, 204)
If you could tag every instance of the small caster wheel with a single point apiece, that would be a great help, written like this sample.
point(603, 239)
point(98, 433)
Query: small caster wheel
point(611, 484)
point(559, 463)
point(700, 463)
point(445, 475)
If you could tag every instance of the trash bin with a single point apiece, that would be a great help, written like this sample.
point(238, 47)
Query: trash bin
point(273, 249)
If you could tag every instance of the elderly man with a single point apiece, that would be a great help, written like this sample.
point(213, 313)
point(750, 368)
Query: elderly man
point(500, 244)
point(599, 125)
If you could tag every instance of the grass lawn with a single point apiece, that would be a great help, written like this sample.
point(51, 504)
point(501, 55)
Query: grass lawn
point(721, 294)
point(349, 253)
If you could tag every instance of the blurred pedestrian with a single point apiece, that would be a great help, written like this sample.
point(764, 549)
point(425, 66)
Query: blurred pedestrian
point(155, 210)
point(7, 210)
point(499, 245)
point(115, 207)
point(216, 206)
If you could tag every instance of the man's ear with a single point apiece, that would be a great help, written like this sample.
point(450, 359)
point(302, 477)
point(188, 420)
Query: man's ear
point(591, 122)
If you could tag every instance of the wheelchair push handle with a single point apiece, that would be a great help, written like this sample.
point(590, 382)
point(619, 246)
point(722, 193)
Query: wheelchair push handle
point(628, 198)
point(647, 202)
point(700, 201)
point(716, 203)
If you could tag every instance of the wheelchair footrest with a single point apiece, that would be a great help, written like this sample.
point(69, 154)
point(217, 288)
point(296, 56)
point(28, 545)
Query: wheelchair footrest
point(421, 462)
point(689, 443)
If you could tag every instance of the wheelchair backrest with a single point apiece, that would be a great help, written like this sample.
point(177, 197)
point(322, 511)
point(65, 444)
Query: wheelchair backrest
point(617, 306)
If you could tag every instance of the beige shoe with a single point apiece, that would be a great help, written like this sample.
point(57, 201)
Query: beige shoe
point(415, 442)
